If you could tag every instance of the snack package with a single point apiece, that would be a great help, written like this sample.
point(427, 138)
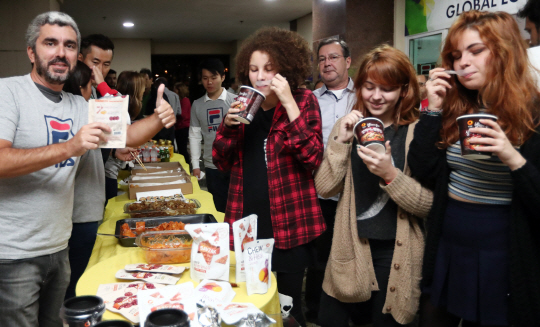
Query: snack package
point(147, 277)
point(245, 231)
point(175, 297)
point(209, 251)
point(211, 293)
point(129, 287)
point(258, 261)
point(112, 111)
point(155, 268)
point(233, 312)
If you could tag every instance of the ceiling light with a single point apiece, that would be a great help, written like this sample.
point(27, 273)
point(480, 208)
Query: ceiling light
point(128, 24)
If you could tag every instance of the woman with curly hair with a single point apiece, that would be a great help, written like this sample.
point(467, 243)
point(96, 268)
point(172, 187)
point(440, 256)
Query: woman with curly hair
point(376, 257)
point(272, 159)
point(481, 263)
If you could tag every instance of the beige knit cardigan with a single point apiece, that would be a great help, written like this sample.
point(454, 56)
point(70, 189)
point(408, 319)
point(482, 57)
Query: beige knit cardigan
point(349, 275)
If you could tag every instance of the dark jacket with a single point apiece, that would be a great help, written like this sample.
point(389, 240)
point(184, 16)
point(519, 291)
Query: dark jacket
point(429, 165)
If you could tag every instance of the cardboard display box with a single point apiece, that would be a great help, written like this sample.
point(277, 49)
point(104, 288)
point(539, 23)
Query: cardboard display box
point(187, 187)
point(163, 166)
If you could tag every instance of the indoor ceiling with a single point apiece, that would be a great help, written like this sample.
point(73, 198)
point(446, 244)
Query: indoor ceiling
point(183, 20)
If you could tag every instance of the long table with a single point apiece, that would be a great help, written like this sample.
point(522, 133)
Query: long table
point(108, 256)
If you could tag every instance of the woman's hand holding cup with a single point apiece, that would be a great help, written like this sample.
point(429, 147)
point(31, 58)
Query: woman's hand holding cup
point(495, 141)
point(379, 164)
point(346, 128)
point(230, 118)
point(436, 87)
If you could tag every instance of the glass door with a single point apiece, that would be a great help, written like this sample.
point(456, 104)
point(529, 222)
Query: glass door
point(424, 50)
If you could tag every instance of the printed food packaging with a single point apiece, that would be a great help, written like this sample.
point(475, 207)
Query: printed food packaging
point(258, 261)
point(147, 277)
point(211, 293)
point(245, 231)
point(112, 111)
point(209, 251)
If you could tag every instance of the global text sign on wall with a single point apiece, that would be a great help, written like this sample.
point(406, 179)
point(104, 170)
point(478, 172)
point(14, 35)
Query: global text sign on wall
point(431, 15)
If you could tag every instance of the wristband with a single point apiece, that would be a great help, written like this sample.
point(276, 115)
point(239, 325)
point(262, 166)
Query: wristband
point(432, 112)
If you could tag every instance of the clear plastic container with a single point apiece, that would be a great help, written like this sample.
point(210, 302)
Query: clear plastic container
point(165, 246)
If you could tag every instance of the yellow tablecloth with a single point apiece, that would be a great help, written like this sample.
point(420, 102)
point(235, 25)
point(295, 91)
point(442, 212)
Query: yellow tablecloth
point(108, 256)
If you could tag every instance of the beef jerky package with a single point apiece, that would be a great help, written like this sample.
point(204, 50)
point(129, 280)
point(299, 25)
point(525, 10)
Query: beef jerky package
point(258, 261)
point(245, 231)
point(210, 251)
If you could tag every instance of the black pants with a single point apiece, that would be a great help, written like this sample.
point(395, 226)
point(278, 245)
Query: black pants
point(218, 185)
point(315, 272)
point(334, 313)
point(181, 142)
point(81, 244)
point(111, 188)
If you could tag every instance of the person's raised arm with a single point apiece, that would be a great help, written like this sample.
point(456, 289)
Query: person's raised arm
point(19, 162)
point(142, 130)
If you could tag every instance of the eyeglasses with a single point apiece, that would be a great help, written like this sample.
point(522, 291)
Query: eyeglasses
point(331, 58)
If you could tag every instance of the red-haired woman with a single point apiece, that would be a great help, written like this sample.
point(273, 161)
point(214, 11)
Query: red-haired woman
point(376, 256)
point(482, 252)
point(272, 159)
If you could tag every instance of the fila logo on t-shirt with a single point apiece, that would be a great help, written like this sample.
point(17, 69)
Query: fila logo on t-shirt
point(214, 117)
point(59, 131)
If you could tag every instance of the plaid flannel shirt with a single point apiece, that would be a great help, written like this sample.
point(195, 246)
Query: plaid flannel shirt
point(293, 151)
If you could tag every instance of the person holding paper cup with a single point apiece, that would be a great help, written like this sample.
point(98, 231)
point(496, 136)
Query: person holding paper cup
point(482, 256)
point(272, 159)
point(375, 260)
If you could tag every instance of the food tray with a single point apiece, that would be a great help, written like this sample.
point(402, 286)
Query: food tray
point(162, 211)
point(156, 221)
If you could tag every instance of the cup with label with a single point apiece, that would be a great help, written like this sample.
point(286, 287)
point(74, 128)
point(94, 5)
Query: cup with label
point(82, 311)
point(369, 132)
point(250, 101)
point(468, 148)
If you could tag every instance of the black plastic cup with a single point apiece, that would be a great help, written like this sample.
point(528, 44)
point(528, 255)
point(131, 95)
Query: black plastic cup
point(114, 323)
point(82, 311)
point(167, 318)
point(250, 101)
point(369, 132)
point(466, 122)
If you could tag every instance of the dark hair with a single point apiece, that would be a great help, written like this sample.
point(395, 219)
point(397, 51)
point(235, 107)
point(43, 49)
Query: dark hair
point(181, 89)
point(289, 52)
point(99, 40)
point(111, 71)
point(213, 65)
point(531, 10)
point(146, 71)
point(78, 78)
point(344, 47)
point(161, 80)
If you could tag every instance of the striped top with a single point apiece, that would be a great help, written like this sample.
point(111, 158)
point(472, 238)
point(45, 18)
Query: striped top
point(480, 180)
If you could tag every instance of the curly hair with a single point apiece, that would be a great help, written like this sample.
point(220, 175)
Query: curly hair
point(511, 93)
point(388, 66)
point(288, 50)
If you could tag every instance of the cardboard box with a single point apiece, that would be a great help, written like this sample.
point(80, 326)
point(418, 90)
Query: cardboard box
point(163, 166)
point(187, 187)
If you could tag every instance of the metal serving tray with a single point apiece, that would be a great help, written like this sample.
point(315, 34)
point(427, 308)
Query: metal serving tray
point(152, 222)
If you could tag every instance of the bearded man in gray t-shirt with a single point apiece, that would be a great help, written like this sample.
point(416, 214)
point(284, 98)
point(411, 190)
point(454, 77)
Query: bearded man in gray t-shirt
point(43, 133)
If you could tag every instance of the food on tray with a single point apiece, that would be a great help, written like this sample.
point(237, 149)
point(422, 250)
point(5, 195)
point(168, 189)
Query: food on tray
point(141, 228)
point(161, 208)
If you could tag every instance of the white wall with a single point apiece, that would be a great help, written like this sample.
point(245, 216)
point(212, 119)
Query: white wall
point(399, 25)
point(304, 27)
point(131, 54)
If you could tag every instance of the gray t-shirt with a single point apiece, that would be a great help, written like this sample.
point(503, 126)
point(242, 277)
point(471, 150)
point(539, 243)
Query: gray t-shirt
point(36, 209)
point(208, 114)
point(89, 199)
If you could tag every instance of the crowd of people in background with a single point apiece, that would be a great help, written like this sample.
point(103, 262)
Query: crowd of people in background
point(413, 235)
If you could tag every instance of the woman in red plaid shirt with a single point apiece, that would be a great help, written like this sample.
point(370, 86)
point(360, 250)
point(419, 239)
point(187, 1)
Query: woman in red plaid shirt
point(272, 159)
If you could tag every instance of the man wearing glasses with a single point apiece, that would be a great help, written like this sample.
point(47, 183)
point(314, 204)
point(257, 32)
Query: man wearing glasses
point(336, 98)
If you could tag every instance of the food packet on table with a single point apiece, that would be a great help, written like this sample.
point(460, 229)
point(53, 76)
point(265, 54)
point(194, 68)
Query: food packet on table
point(128, 287)
point(147, 277)
point(112, 111)
point(210, 251)
point(170, 297)
point(258, 261)
point(233, 313)
point(244, 231)
point(211, 293)
point(155, 268)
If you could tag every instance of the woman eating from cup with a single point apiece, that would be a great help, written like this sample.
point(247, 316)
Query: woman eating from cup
point(481, 262)
point(376, 256)
point(272, 159)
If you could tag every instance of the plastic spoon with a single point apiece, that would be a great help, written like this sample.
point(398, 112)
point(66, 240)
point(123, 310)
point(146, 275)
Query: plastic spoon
point(262, 83)
point(460, 72)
